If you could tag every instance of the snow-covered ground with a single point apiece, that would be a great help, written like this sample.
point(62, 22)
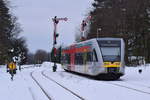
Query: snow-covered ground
point(61, 85)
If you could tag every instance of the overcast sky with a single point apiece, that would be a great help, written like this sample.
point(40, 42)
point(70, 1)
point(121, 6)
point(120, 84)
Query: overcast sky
point(35, 19)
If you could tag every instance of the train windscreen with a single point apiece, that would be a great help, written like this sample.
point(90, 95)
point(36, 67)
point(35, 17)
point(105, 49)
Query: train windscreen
point(110, 49)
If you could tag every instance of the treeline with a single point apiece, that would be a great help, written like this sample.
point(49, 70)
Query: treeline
point(128, 19)
point(11, 45)
point(38, 57)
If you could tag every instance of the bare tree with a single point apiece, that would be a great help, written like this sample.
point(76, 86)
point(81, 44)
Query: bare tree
point(40, 56)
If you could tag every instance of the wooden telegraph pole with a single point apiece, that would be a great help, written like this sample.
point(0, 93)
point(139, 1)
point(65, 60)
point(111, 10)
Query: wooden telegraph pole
point(55, 35)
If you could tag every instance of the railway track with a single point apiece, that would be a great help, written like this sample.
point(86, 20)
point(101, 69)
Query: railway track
point(75, 94)
point(141, 85)
point(29, 88)
point(31, 74)
point(46, 94)
point(128, 87)
point(121, 84)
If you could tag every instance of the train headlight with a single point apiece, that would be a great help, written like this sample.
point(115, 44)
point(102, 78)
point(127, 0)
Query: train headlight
point(107, 63)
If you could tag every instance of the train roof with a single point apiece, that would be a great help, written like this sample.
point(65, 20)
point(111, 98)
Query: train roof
point(92, 40)
point(104, 38)
point(108, 38)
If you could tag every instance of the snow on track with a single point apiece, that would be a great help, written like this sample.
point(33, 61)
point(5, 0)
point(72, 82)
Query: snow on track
point(131, 87)
point(97, 89)
point(34, 89)
point(40, 86)
point(52, 89)
point(63, 87)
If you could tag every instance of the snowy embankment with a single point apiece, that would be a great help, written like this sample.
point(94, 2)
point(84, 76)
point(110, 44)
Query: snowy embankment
point(123, 89)
point(132, 85)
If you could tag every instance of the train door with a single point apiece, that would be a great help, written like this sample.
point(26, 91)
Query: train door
point(72, 62)
point(85, 61)
point(68, 61)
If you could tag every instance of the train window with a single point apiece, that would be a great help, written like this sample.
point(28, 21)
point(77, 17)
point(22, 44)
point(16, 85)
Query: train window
point(68, 59)
point(110, 50)
point(76, 58)
point(80, 58)
point(111, 53)
point(95, 56)
point(89, 56)
point(63, 58)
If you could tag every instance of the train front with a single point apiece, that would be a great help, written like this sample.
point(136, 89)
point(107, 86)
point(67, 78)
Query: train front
point(112, 51)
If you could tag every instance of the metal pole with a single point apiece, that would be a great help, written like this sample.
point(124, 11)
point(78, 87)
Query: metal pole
point(55, 42)
point(56, 21)
point(99, 29)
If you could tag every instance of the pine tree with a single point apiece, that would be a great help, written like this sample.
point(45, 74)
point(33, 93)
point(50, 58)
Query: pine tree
point(5, 23)
point(9, 31)
point(129, 19)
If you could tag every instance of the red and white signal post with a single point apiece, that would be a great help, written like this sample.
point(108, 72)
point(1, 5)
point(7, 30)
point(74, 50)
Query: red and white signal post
point(56, 21)
point(83, 25)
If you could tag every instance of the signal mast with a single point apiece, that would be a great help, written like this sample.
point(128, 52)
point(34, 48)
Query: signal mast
point(83, 25)
point(55, 35)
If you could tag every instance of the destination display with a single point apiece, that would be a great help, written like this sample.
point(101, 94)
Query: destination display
point(109, 43)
